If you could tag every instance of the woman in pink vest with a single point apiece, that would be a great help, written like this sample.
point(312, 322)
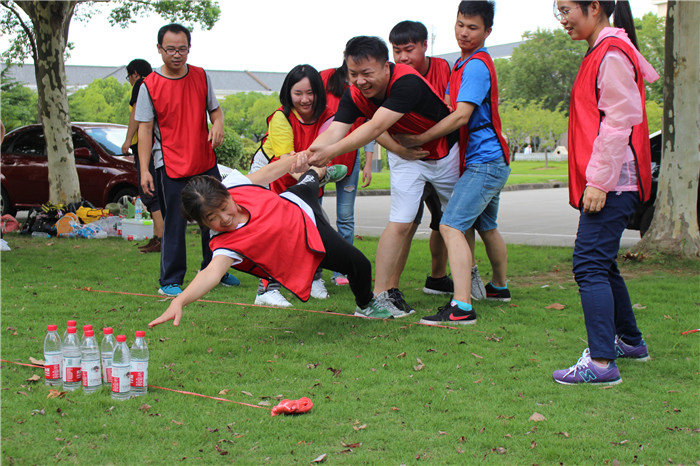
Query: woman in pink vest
point(609, 174)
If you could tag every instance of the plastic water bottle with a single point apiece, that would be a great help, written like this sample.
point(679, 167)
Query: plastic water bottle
point(139, 365)
point(71, 361)
point(90, 363)
point(40, 234)
point(70, 323)
point(121, 365)
point(53, 357)
point(138, 209)
point(86, 327)
point(107, 350)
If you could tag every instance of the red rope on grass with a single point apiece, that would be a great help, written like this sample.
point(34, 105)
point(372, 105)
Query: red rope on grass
point(207, 396)
point(259, 305)
point(160, 388)
point(22, 364)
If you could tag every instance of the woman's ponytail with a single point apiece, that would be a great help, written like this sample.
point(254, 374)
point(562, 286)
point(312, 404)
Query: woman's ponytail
point(623, 19)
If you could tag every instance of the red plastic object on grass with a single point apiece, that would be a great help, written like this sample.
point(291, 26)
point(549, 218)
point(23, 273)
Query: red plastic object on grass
point(300, 406)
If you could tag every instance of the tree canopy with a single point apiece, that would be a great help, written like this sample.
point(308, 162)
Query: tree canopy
point(19, 104)
point(104, 100)
point(246, 113)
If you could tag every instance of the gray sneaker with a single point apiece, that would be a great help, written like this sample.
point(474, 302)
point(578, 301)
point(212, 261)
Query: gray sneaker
point(478, 288)
point(374, 309)
point(399, 301)
point(385, 301)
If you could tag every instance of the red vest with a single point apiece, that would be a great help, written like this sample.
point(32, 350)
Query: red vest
point(304, 135)
point(455, 84)
point(332, 102)
point(438, 75)
point(585, 119)
point(180, 107)
point(279, 241)
point(410, 123)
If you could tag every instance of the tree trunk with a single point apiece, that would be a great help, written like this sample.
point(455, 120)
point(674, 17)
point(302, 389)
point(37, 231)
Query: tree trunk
point(674, 228)
point(51, 21)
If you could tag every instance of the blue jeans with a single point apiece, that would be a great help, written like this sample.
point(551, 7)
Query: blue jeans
point(345, 192)
point(475, 198)
point(607, 308)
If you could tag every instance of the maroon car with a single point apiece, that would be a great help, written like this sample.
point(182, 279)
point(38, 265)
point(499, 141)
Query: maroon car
point(105, 174)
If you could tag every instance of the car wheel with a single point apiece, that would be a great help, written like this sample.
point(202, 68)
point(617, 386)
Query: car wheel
point(7, 208)
point(124, 196)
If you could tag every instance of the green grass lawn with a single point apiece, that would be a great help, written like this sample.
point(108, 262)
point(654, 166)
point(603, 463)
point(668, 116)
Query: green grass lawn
point(522, 172)
point(384, 392)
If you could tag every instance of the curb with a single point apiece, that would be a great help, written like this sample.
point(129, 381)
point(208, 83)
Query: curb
point(513, 187)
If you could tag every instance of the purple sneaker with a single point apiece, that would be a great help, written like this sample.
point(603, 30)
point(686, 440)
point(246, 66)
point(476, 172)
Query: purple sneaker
point(585, 371)
point(638, 353)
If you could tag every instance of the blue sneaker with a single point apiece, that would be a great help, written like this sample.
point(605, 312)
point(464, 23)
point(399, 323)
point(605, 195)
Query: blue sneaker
point(637, 353)
point(586, 371)
point(170, 290)
point(229, 280)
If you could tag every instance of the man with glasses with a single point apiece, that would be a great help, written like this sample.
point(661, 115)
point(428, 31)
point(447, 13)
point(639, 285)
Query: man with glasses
point(171, 110)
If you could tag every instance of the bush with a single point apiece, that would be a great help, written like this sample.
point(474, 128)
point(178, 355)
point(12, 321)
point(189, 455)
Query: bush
point(231, 152)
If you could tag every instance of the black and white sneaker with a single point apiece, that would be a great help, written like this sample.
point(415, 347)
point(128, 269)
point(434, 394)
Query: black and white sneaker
point(442, 285)
point(497, 294)
point(450, 314)
point(399, 301)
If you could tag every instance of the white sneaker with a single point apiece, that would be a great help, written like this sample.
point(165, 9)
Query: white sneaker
point(318, 289)
point(478, 288)
point(272, 298)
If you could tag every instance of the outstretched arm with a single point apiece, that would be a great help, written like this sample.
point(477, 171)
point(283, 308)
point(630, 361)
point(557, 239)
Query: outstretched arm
point(323, 150)
point(203, 282)
point(287, 163)
point(450, 123)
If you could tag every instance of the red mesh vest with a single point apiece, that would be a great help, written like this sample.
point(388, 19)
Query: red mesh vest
point(304, 135)
point(279, 241)
point(455, 84)
point(410, 123)
point(180, 107)
point(585, 119)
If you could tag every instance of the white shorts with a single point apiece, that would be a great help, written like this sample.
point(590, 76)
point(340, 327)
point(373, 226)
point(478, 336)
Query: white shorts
point(408, 179)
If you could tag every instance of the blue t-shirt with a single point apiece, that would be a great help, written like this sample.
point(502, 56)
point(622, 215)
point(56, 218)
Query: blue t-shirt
point(483, 146)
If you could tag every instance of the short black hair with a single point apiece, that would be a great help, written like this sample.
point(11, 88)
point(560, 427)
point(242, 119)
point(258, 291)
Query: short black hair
point(366, 47)
point(176, 28)
point(296, 74)
point(407, 32)
point(140, 66)
point(478, 8)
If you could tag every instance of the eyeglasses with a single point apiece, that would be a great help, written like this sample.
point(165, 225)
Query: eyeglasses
point(172, 50)
point(562, 15)
point(128, 76)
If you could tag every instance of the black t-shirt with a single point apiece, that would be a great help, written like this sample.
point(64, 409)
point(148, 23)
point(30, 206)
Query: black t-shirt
point(408, 94)
point(135, 92)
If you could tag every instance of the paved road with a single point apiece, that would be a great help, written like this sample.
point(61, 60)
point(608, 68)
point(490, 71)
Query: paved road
point(535, 217)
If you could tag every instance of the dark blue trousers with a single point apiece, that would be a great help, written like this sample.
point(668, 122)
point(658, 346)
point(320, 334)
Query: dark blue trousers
point(607, 308)
point(173, 252)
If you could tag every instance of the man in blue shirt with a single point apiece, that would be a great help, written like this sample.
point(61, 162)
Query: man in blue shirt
point(473, 94)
